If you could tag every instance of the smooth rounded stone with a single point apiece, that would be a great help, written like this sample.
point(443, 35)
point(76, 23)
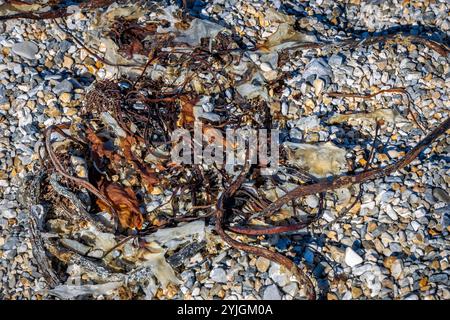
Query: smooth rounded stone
point(75, 246)
point(384, 196)
point(296, 135)
point(367, 207)
point(411, 297)
point(344, 195)
point(337, 254)
point(391, 212)
point(420, 213)
point(64, 86)
point(284, 108)
point(439, 278)
point(8, 213)
point(318, 85)
point(441, 195)
point(204, 293)
point(208, 107)
point(272, 293)
point(415, 225)
point(357, 72)
point(11, 243)
point(312, 201)
point(10, 254)
point(375, 286)
point(445, 218)
point(413, 76)
point(335, 60)
point(254, 57)
point(97, 254)
point(18, 69)
point(65, 97)
point(67, 62)
point(262, 264)
point(395, 247)
point(396, 268)
point(65, 45)
point(414, 199)
point(218, 275)
point(352, 258)
point(2, 93)
point(328, 216)
point(195, 291)
point(308, 123)
point(26, 49)
point(291, 289)
point(266, 67)
point(24, 116)
point(278, 275)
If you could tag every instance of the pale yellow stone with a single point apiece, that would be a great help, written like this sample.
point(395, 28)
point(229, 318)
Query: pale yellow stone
point(48, 63)
point(382, 157)
point(65, 97)
point(318, 85)
point(275, 107)
point(331, 296)
point(81, 171)
point(326, 100)
point(70, 112)
point(53, 112)
point(31, 104)
point(5, 106)
point(309, 104)
point(262, 264)
point(356, 292)
point(5, 51)
point(332, 235)
point(157, 191)
point(68, 62)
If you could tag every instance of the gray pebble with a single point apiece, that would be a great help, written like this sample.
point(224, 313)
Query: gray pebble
point(218, 275)
point(272, 293)
point(63, 86)
point(26, 49)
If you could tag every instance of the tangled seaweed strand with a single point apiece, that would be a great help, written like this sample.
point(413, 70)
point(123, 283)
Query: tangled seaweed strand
point(162, 105)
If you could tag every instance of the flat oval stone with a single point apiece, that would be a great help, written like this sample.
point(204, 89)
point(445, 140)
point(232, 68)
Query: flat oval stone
point(26, 49)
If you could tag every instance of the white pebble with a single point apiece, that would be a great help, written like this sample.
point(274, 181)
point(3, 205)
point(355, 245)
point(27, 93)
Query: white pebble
point(352, 258)
point(265, 67)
